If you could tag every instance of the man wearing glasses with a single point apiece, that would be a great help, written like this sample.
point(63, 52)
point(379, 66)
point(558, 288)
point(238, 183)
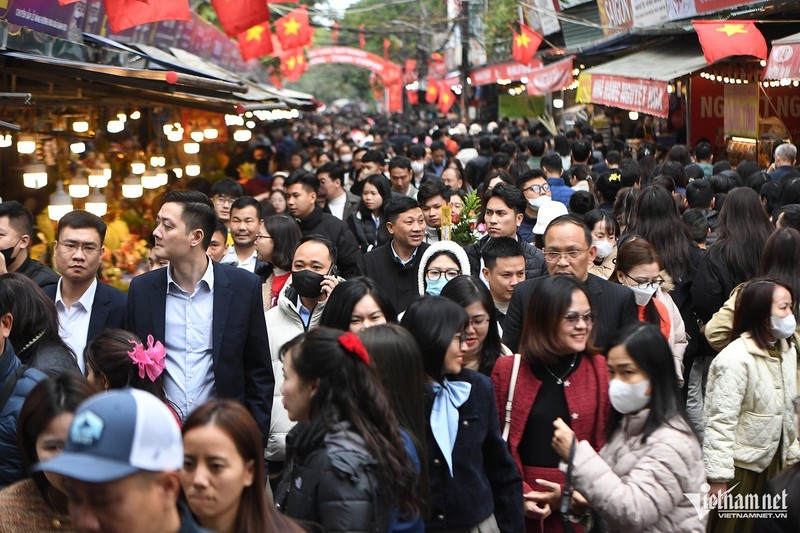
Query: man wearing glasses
point(85, 307)
point(223, 193)
point(568, 251)
point(533, 185)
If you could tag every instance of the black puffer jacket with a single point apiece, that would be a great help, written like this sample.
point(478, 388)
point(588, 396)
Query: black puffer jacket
point(331, 481)
point(42, 275)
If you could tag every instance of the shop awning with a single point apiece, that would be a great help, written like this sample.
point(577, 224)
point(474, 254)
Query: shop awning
point(638, 82)
point(784, 59)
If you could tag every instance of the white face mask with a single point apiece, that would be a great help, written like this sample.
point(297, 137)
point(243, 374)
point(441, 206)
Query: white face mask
point(604, 248)
point(627, 398)
point(417, 166)
point(537, 203)
point(346, 158)
point(783, 327)
point(642, 296)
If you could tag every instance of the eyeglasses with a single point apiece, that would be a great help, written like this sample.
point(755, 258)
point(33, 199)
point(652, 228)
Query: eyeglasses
point(573, 316)
point(262, 236)
point(646, 284)
point(572, 255)
point(71, 247)
point(479, 321)
point(538, 189)
point(461, 336)
point(224, 200)
point(435, 274)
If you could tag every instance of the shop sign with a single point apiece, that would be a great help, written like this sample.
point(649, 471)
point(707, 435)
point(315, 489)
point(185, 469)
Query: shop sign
point(503, 71)
point(553, 77)
point(784, 62)
point(617, 15)
point(633, 94)
point(47, 17)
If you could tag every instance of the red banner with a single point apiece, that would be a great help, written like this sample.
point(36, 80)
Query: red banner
point(389, 72)
point(633, 94)
point(553, 77)
point(503, 71)
point(784, 62)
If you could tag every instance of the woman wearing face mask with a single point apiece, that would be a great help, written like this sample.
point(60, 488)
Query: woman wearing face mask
point(558, 377)
point(441, 262)
point(39, 503)
point(605, 232)
point(368, 224)
point(474, 485)
point(750, 428)
point(223, 471)
point(651, 458)
point(638, 269)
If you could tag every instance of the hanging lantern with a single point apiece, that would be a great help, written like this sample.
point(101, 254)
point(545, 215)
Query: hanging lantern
point(79, 187)
point(150, 179)
point(60, 203)
point(26, 144)
point(96, 203)
point(34, 176)
point(132, 187)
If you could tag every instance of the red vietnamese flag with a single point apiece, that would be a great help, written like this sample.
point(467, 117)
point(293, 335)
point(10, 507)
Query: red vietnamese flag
point(124, 14)
point(237, 16)
point(256, 42)
point(362, 41)
point(294, 65)
point(413, 97)
point(525, 44)
point(335, 32)
point(432, 93)
point(293, 29)
point(721, 39)
point(446, 100)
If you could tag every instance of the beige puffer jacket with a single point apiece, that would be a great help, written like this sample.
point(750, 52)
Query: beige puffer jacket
point(639, 486)
point(283, 325)
point(748, 408)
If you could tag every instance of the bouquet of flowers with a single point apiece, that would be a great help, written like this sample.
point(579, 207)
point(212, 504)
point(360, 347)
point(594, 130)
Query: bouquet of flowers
point(465, 229)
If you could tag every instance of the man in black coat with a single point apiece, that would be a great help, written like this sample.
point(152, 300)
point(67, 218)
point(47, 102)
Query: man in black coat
point(568, 250)
point(394, 266)
point(16, 239)
point(302, 188)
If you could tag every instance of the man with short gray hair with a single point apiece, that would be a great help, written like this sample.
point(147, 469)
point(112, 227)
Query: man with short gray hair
point(785, 157)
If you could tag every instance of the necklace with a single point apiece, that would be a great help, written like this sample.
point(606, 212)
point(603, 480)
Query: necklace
point(560, 380)
point(30, 343)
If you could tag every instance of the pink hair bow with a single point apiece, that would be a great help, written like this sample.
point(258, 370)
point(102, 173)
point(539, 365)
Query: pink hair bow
point(151, 360)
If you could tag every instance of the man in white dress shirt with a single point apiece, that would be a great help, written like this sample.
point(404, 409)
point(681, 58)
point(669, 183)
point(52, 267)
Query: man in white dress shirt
point(245, 221)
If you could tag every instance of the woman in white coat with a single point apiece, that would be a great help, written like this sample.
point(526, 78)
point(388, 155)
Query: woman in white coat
point(750, 428)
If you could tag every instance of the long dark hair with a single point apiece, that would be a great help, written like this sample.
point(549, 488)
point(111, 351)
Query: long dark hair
point(345, 296)
point(631, 253)
point(550, 300)
point(434, 321)
point(398, 361)
point(781, 257)
point(48, 399)
point(286, 235)
point(742, 232)
point(33, 311)
point(351, 390)
point(646, 345)
point(384, 188)
point(255, 513)
point(465, 291)
point(107, 355)
point(656, 220)
point(754, 316)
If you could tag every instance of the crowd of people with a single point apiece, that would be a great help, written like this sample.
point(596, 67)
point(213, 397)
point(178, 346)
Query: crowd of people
point(310, 351)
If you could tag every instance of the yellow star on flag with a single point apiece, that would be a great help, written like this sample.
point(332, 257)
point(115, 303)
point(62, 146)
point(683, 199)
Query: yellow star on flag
point(431, 90)
point(732, 29)
point(291, 62)
point(254, 33)
point(291, 26)
point(446, 98)
point(522, 39)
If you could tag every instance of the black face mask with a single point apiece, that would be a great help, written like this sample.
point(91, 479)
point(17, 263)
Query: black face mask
point(7, 254)
point(307, 283)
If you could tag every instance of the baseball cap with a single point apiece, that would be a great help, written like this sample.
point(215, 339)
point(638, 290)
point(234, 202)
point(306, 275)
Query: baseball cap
point(117, 434)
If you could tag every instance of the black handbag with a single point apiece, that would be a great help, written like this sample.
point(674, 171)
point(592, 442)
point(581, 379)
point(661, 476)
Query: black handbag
point(590, 522)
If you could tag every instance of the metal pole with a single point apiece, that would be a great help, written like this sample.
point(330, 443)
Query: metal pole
point(465, 38)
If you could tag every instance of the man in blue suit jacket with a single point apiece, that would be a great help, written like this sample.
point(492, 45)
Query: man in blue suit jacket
point(85, 307)
point(209, 316)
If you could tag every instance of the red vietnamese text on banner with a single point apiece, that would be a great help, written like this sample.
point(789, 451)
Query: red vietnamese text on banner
point(783, 62)
point(724, 39)
point(256, 42)
point(551, 78)
point(502, 71)
point(446, 100)
point(124, 14)
point(237, 16)
point(386, 45)
point(432, 92)
point(335, 32)
point(525, 44)
point(362, 41)
point(634, 94)
point(293, 29)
